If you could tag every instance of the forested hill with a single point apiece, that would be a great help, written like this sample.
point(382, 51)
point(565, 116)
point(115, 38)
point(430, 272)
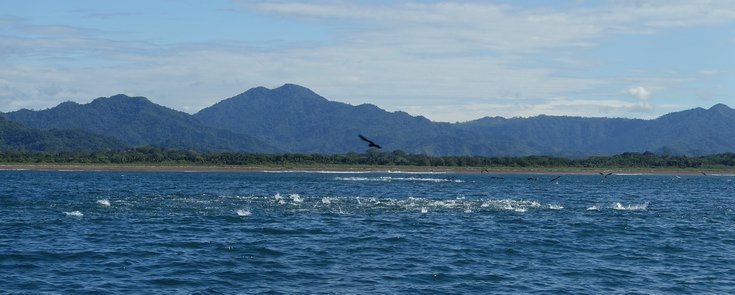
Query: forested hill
point(294, 119)
point(692, 132)
point(137, 121)
point(15, 137)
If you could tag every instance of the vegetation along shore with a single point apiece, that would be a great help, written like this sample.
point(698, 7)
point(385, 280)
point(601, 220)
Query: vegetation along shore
point(154, 158)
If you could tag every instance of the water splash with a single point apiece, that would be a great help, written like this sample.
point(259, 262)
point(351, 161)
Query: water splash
point(632, 207)
point(296, 198)
point(103, 203)
point(390, 179)
point(74, 214)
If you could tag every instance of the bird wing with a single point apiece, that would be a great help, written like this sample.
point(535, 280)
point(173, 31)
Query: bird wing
point(363, 138)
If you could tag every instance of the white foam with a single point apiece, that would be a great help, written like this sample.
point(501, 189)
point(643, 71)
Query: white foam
point(243, 212)
point(103, 202)
point(555, 207)
point(74, 214)
point(424, 210)
point(296, 198)
point(634, 207)
point(354, 178)
point(593, 208)
point(416, 172)
point(317, 171)
point(326, 200)
point(512, 205)
point(390, 178)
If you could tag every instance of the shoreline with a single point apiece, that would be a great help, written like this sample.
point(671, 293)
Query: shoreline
point(348, 169)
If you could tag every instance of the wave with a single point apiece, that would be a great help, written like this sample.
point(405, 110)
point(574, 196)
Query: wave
point(318, 171)
point(632, 207)
point(415, 172)
point(74, 214)
point(354, 172)
point(243, 212)
point(103, 202)
point(390, 178)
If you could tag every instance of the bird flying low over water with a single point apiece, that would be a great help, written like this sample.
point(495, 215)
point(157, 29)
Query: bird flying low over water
point(606, 175)
point(370, 142)
point(555, 178)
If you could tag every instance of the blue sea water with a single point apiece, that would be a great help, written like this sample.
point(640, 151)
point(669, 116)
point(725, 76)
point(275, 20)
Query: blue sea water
point(67, 232)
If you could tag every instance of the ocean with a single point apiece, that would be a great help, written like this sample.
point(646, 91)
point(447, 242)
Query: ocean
point(331, 232)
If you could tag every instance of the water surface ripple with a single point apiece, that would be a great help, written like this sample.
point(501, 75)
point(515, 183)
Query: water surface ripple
point(64, 232)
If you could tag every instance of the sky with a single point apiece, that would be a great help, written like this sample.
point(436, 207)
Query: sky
point(449, 61)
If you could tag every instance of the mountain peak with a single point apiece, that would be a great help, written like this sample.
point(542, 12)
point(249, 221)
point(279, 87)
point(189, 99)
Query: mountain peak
point(286, 93)
point(295, 91)
point(720, 107)
point(123, 97)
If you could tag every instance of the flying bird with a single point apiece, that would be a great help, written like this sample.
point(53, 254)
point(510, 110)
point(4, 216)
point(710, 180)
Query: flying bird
point(370, 142)
point(555, 178)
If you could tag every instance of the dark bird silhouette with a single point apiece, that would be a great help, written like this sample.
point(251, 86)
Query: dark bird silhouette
point(606, 175)
point(705, 174)
point(370, 142)
point(555, 178)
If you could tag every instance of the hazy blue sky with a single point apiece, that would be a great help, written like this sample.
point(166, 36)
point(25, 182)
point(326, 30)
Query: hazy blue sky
point(449, 61)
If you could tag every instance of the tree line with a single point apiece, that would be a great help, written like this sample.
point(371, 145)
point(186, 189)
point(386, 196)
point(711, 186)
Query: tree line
point(372, 157)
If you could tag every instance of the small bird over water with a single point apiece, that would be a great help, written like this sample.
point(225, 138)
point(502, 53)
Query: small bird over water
point(370, 142)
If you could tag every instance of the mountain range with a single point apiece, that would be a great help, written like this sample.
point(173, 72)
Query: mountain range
point(14, 136)
point(292, 118)
point(137, 121)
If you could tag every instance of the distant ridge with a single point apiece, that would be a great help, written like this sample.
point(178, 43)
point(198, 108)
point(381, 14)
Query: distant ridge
point(692, 132)
point(292, 118)
point(296, 119)
point(138, 121)
point(15, 137)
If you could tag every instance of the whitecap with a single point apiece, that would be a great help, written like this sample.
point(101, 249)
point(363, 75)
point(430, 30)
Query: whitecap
point(593, 208)
point(390, 178)
point(326, 200)
point(317, 171)
point(243, 212)
point(74, 214)
point(296, 198)
point(103, 202)
point(415, 172)
point(633, 207)
point(555, 207)
point(355, 178)
point(424, 210)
